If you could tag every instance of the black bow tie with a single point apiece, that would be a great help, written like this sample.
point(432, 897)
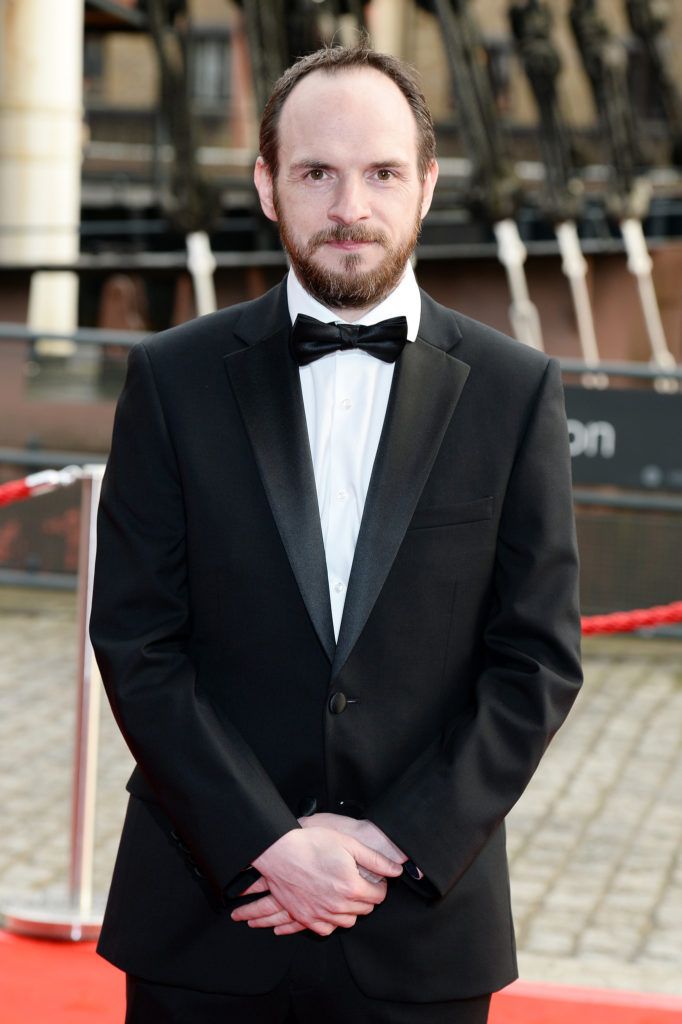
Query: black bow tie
point(310, 339)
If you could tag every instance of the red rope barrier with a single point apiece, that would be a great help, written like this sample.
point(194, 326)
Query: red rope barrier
point(38, 483)
point(639, 618)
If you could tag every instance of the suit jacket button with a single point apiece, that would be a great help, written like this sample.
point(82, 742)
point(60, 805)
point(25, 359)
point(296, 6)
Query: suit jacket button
point(338, 703)
point(307, 805)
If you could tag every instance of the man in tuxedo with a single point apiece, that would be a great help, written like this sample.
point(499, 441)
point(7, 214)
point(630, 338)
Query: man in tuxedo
point(335, 604)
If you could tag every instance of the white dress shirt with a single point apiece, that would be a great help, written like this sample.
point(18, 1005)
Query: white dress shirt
point(345, 395)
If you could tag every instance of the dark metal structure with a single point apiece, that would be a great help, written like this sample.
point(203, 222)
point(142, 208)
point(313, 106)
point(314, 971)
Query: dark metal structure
point(279, 31)
point(495, 187)
point(628, 197)
point(605, 60)
point(531, 24)
point(189, 201)
point(648, 20)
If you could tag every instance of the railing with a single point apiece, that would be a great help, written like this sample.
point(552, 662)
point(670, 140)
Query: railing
point(101, 337)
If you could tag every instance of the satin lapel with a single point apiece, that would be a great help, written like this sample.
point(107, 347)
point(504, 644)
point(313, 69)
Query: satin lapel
point(267, 387)
point(426, 388)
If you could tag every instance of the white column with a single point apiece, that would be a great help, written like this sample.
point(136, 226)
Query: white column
point(41, 77)
point(387, 21)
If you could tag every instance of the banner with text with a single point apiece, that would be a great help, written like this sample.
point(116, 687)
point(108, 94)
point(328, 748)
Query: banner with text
point(626, 438)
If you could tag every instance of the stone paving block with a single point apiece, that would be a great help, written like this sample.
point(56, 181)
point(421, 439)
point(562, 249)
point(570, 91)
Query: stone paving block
point(607, 941)
point(537, 866)
point(26, 876)
point(649, 883)
point(665, 944)
point(631, 901)
point(616, 918)
point(527, 890)
point(580, 901)
point(571, 887)
point(550, 941)
point(668, 912)
point(576, 806)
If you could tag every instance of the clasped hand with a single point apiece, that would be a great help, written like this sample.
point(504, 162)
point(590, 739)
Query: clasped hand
point(322, 876)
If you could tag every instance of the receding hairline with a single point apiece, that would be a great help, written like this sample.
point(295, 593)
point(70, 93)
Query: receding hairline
point(336, 70)
point(349, 71)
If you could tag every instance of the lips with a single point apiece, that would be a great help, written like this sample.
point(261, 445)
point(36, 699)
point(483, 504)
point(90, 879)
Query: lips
point(349, 246)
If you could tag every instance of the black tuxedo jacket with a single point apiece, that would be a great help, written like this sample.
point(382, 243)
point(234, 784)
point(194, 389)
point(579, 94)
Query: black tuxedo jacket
point(457, 654)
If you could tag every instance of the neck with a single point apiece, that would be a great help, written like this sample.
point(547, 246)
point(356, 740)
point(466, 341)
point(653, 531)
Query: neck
point(351, 314)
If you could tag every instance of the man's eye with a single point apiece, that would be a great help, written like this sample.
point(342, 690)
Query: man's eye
point(316, 174)
point(383, 174)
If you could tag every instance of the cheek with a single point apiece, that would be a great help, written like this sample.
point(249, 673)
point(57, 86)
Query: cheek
point(305, 215)
point(400, 210)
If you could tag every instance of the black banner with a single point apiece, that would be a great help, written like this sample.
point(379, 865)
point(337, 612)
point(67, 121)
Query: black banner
point(626, 438)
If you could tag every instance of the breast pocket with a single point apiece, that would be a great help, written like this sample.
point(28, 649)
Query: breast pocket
point(474, 511)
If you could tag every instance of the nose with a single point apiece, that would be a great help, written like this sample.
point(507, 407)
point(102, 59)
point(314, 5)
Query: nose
point(349, 202)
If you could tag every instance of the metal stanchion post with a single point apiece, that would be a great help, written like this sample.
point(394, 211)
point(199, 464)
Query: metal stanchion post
point(75, 919)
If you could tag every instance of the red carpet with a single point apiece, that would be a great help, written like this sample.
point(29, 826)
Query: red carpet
point(44, 982)
point(535, 1003)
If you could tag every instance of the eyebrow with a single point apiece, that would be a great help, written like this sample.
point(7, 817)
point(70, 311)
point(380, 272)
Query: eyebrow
point(323, 165)
point(397, 163)
point(307, 165)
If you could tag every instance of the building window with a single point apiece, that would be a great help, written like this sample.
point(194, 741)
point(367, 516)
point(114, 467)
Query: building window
point(210, 69)
point(93, 65)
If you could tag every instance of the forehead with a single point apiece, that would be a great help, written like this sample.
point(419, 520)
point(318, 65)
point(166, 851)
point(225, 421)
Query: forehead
point(343, 110)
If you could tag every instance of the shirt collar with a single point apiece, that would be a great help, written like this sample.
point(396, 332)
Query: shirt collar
point(404, 300)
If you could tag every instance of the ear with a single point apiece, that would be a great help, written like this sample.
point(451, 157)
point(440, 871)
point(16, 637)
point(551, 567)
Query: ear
point(428, 185)
point(262, 179)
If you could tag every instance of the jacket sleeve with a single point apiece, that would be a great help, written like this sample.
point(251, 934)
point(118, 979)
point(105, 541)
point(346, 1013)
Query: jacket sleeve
point(199, 769)
point(451, 799)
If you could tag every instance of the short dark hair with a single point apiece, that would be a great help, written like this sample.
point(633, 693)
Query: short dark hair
point(332, 59)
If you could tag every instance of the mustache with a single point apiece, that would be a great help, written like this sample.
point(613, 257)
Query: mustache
point(350, 233)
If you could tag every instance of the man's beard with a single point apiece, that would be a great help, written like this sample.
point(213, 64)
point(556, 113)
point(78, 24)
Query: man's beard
point(349, 287)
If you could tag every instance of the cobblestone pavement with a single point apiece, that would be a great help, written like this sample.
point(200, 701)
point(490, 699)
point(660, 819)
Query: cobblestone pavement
point(595, 843)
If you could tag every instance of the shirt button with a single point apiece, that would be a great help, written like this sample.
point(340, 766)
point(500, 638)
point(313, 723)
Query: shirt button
point(346, 403)
point(341, 495)
point(339, 587)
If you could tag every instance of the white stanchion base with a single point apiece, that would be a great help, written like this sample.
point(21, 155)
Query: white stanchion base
point(51, 922)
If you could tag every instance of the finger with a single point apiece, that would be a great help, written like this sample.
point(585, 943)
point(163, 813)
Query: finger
point(289, 929)
point(260, 885)
point(372, 836)
point(369, 876)
point(372, 859)
point(358, 891)
point(271, 920)
point(351, 907)
point(343, 920)
point(309, 821)
point(363, 908)
point(370, 892)
point(322, 927)
point(259, 908)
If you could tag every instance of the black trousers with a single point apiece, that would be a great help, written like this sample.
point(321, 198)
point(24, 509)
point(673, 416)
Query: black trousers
point(319, 989)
